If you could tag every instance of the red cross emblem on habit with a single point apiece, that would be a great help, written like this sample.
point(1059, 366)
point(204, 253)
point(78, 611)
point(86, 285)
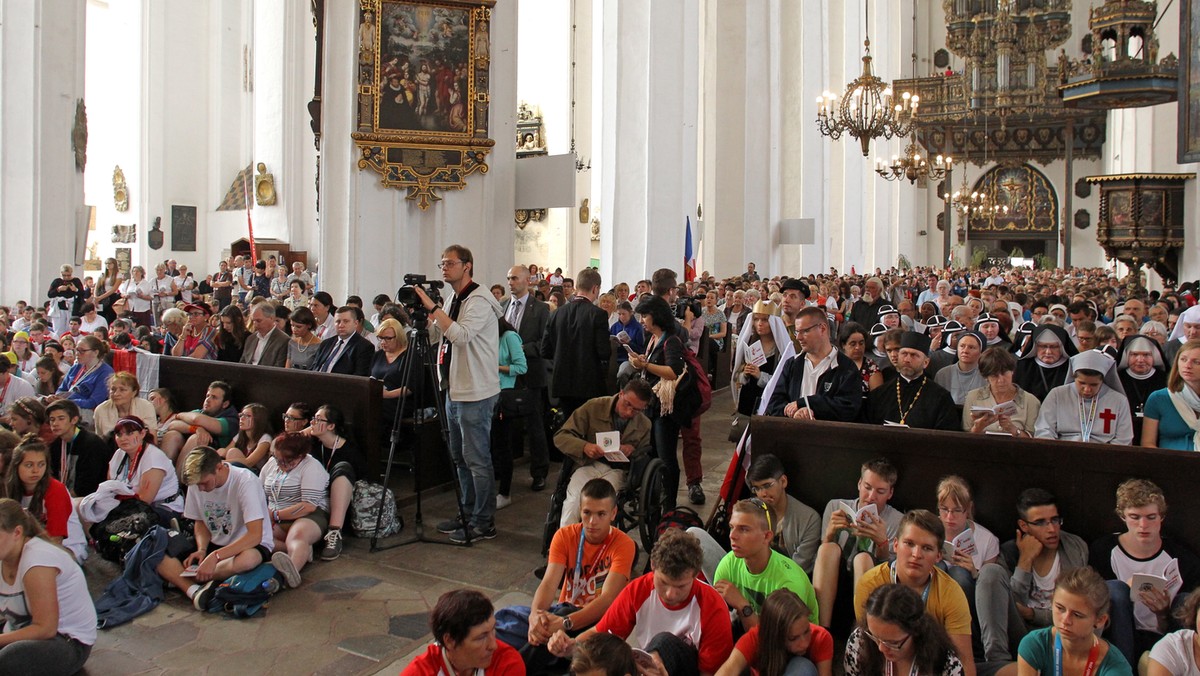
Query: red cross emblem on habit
point(1108, 417)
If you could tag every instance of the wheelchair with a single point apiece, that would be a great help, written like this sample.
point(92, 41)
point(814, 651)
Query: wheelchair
point(640, 504)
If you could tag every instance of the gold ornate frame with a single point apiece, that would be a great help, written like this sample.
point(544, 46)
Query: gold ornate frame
point(423, 79)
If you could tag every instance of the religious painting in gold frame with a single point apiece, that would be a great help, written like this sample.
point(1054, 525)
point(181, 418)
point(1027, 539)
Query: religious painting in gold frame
point(422, 93)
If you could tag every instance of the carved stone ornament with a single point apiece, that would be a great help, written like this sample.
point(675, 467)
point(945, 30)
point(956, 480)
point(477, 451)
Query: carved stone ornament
point(423, 93)
point(264, 187)
point(120, 190)
point(79, 135)
point(523, 216)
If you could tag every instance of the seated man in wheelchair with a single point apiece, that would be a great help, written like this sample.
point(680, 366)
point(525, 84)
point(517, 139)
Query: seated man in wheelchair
point(594, 561)
point(623, 412)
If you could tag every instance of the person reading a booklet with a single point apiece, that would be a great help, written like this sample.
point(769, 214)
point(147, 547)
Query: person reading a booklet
point(1145, 571)
point(969, 545)
point(918, 552)
point(623, 413)
point(1001, 406)
point(857, 533)
point(1091, 407)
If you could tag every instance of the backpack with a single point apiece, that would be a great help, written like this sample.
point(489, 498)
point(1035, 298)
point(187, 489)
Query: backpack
point(701, 379)
point(364, 513)
point(244, 594)
point(124, 526)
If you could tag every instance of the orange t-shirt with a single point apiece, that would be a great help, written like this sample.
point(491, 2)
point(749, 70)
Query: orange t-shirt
point(615, 554)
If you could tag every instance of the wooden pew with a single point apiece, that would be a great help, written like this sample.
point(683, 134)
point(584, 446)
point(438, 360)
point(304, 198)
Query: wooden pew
point(823, 460)
point(360, 399)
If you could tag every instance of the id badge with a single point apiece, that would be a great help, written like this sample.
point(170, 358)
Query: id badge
point(441, 354)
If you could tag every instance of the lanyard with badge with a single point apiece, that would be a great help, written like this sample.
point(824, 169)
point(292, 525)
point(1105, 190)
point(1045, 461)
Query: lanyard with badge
point(924, 594)
point(1093, 655)
point(579, 584)
point(1087, 420)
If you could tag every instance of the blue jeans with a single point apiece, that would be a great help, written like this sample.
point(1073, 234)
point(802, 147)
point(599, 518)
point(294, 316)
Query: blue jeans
point(470, 425)
point(800, 666)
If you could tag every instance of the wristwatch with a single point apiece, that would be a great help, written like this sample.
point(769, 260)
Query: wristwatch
point(567, 626)
point(746, 611)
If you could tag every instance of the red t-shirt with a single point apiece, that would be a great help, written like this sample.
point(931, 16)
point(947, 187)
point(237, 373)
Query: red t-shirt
point(820, 649)
point(56, 509)
point(506, 661)
point(615, 554)
point(702, 619)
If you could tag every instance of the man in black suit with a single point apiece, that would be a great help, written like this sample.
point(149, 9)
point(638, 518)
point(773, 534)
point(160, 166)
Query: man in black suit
point(577, 340)
point(346, 352)
point(529, 317)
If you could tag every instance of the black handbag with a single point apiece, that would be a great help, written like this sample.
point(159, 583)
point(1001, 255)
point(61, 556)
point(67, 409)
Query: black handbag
point(517, 402)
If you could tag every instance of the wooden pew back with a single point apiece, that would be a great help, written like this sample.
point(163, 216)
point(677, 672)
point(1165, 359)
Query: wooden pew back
point(823, 461)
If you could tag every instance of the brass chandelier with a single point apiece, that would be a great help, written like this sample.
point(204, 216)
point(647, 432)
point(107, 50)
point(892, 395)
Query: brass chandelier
point(912, 165)
point(867, 111)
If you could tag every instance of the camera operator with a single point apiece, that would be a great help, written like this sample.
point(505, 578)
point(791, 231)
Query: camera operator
point(467, 359)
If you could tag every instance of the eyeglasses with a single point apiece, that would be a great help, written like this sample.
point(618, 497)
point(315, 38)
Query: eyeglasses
point(890, 645)
point(1042, 523)
point(84, 349)
point(764, 487)
point(804, 332)
point(383, 338)
point(635, 407)
point(323, 421)
point(766, 511)
point(244, 414)
point(951, 511)
point(449, 263)
point(291, 418)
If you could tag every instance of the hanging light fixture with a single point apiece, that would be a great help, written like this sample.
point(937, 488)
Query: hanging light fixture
point(977, 204)
point(867, 110)
point(912, 165)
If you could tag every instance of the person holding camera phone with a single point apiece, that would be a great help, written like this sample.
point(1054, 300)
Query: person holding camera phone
point(467, 358)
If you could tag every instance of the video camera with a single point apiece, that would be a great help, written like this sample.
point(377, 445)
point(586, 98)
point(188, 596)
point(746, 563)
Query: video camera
point(683, 303)
point(407, 296)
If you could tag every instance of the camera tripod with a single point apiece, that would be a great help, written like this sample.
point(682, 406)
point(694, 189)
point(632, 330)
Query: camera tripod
point(421, 357)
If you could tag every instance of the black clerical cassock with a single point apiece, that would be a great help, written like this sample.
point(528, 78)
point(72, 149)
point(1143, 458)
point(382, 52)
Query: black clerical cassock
point(919, 402)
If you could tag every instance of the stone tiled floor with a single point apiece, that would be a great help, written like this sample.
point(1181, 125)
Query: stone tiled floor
point(364, 613)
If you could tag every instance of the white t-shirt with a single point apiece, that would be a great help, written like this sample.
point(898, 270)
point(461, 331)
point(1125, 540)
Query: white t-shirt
point(152, 458)
point(1125, 566)
point(1174, 651)
point(17, 388)
point(227, 508)
point(185, 284)
point(987, 545)
point(306, 482)
point(76, 613)
point(87, 327)
point(1041, 591)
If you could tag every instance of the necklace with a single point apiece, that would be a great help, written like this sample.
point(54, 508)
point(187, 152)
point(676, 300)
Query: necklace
point(301, 346)
point(1087, 419)
point(900, 404)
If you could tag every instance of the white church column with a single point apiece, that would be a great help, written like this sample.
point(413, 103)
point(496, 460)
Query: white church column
point(650, 74)
point(41, 192)
point(370, 236)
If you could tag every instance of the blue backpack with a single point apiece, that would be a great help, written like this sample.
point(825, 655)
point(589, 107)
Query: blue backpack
point(243, 594)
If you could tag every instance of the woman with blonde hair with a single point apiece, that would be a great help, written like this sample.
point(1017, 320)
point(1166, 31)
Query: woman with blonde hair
point(388, 365)
point(123, 401)
point(51, 619)
point(1172, 414)
point(1070, 646)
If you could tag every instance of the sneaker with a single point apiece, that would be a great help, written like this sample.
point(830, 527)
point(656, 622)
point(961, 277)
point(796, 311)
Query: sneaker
point(272, 585)
point(286, 567)
point(459, 537)
point(204, 595)
point(695, 494)
point(539, 484)
point(333, 545)
point(449, 526)
point(502, 501)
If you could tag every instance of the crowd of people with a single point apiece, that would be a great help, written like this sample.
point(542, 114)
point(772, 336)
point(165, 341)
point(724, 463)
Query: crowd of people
point(1075, 355)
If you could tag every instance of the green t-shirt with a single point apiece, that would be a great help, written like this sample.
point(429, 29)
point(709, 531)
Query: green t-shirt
point(781, 573)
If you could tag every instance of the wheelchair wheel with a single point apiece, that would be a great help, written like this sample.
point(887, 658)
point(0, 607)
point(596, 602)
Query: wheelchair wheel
point(652, 501)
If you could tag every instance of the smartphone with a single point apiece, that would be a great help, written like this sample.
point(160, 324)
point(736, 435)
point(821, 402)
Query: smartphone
point(628, 349)
point(190, 571)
